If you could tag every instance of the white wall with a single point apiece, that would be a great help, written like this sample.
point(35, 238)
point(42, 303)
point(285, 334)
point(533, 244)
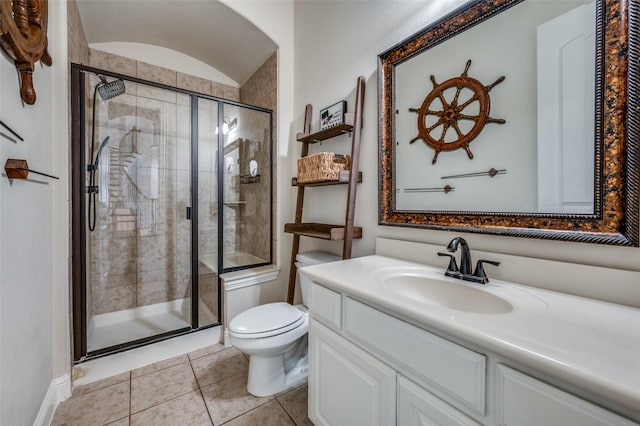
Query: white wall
point(334, 43)
point(33, 235)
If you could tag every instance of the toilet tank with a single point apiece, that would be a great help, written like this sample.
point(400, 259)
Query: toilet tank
point(309, 258)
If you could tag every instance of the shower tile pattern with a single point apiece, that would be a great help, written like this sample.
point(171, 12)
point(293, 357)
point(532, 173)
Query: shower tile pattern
point(78, 48)
point(133, 266)
point(260, 90)
point(110, 62)
point(205, 387)
point(246, 197)
point(195, 84)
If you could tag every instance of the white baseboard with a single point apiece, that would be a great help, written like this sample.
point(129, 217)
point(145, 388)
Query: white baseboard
point(63, 387)
point(225, 340)
point(59, 390)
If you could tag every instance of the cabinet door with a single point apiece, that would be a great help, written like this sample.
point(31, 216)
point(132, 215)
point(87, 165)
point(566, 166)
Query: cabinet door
point(525, 401)
point(418, 407)
point(347, 386)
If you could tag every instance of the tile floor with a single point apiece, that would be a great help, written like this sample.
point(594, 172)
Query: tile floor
point(204, 387)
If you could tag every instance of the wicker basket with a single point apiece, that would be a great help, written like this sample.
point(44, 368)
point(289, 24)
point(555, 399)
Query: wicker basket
point(321, 167)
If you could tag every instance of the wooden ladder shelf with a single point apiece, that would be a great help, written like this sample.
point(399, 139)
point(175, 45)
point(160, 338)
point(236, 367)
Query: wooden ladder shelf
point(347, 231)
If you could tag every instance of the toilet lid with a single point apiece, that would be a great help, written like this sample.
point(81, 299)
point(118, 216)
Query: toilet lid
point(266, 320)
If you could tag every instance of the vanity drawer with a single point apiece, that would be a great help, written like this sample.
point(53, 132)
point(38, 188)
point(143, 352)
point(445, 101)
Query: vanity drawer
point(326, 306)
point(449, 368)
point(525, 401)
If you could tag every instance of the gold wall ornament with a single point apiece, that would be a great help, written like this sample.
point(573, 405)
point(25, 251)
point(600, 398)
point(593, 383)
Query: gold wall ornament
point(23, 36)
point(450, 113)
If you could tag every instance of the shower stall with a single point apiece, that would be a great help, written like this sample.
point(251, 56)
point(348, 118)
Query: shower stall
point(171, 189)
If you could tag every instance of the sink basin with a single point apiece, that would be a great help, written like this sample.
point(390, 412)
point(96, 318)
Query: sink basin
point(447, 293)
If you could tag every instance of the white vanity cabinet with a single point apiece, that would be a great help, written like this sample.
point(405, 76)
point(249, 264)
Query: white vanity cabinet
point(525, 401)
point(369, 368)
point(418, 407)
point(347, 386)
point(353, 382)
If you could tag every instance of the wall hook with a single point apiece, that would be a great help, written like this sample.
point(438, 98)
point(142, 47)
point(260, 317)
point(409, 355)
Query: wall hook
point(491, 172)
point(446, 189)
point(19, 169)
point(13, 132)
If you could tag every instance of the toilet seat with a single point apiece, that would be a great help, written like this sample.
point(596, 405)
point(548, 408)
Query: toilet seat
point(266, 320)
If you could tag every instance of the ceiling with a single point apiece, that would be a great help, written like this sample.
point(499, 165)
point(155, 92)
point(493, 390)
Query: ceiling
point(204, 29)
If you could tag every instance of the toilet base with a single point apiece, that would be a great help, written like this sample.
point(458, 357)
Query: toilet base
point(269, 375)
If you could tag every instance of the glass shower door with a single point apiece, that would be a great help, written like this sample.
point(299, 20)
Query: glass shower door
point(171, 189)
point(208, 273)
point(138, 269)
point(247, 198)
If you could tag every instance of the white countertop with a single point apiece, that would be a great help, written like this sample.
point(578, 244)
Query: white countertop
point(590, 344)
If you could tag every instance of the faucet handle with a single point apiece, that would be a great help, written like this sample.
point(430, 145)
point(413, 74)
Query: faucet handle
point(480, 273)
point(453, 266)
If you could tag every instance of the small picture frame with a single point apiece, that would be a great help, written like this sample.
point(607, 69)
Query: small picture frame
point(333, 115)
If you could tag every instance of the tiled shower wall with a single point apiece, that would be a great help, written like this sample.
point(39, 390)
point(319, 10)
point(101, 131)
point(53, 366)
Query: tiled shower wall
point(260, 90)
point(141, 267)
point(78, 49)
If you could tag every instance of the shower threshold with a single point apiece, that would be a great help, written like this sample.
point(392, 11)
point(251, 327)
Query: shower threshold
point(115, 328)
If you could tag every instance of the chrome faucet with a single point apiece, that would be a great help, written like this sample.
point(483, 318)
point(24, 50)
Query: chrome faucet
point(464, 272)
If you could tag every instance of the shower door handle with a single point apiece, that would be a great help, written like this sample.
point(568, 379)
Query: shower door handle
point(188, 213)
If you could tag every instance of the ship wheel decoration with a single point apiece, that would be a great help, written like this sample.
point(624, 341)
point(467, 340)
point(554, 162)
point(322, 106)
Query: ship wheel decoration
point(23, 36)
point(451, 114)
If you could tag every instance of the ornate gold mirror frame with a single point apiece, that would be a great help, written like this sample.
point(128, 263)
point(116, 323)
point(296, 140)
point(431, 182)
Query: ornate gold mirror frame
point(617, 134)
point(23, 36)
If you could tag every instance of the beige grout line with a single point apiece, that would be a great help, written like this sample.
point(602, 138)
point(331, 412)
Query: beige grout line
point(205, 404)
point(294, 389)
point(286, 411)
point(167, 400)
point(199, 388)
point(253, 409)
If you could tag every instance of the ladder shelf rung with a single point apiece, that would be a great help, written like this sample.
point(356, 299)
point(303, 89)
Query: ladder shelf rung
point(331, 132)
point(320, 230)
point(343, 179)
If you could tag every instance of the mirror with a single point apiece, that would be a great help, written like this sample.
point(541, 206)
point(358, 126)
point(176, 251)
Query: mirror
point(512, 117)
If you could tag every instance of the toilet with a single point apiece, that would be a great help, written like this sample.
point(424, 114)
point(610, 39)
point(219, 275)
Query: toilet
point(275, 337)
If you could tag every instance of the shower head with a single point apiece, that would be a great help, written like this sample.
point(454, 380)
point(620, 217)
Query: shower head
point(110, 90)
point(104, 143)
